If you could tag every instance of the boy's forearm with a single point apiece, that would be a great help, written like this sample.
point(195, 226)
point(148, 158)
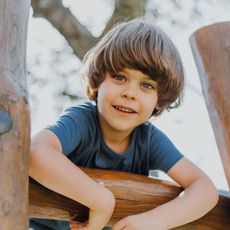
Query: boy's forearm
point(53, 170)
point(97, 219)
point(193, 203)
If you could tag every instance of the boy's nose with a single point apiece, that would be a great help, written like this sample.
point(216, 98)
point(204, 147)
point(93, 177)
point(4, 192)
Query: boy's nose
point(129, 93)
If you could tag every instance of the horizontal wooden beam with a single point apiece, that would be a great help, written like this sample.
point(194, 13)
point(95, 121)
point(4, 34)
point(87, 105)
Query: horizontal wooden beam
point(134, 194)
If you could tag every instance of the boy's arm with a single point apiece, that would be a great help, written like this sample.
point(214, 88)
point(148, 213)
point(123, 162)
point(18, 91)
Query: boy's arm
point(50, 167)
point(199, 197)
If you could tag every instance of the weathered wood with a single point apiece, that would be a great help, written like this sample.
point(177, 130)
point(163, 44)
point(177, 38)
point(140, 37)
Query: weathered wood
point(133, 193)
point(14, 119)
point(211, 50)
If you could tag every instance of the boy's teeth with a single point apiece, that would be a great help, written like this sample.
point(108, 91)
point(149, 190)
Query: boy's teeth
point(124, 109)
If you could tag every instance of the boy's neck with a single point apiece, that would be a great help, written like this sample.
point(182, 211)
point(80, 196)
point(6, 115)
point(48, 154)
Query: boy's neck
point(117, 140)
point(117, 144)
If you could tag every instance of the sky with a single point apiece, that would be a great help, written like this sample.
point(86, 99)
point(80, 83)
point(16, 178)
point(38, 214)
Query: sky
point(188, 127)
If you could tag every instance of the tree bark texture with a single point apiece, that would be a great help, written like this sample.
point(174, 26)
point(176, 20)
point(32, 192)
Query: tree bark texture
point(211, 50)
point(14, 115)
point(134, 194)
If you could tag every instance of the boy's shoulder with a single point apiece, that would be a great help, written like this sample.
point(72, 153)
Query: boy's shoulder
point(148, 127)
point(82, 114)
point(83, 107)
point(148, 131)
point(86, 108)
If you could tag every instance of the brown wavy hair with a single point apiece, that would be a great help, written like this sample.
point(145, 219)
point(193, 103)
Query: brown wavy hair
point(139, 45)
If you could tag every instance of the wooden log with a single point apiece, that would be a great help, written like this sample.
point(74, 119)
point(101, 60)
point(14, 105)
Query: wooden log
point(14, 115)
point(211, 50)
point(134, 194)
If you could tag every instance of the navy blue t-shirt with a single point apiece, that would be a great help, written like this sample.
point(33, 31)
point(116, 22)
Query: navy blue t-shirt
point(81, 139)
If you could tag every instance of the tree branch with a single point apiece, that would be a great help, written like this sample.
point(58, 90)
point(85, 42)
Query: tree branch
point(125, 10)
point(78, 37)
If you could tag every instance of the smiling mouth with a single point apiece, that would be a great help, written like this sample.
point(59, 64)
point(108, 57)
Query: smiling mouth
point(124, 109)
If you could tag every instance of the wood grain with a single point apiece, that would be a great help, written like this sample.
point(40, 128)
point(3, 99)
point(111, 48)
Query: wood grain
point(211, 50)
point(14, 141)
point(134, 194)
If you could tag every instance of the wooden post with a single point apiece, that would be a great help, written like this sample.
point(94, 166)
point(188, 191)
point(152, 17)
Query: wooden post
point(134, 194)
point(211, 50)
point(14, 115)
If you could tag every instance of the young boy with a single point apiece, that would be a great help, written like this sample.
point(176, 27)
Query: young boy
point(132, 74)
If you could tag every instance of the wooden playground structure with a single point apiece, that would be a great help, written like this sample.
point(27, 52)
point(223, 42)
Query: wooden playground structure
point(133, 193)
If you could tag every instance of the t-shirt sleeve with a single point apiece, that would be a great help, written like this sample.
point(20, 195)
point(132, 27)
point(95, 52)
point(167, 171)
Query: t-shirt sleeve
point(164, 154)
point(68, 129)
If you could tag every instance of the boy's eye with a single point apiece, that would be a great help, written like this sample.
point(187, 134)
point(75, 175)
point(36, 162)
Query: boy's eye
point(119, 77)
point(148, 85)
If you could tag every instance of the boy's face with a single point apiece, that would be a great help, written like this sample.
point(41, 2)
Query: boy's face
point(126, 100)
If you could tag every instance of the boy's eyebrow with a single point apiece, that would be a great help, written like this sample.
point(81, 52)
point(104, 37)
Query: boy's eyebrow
point(122, 71)
point(146, 77)
point(149, 79)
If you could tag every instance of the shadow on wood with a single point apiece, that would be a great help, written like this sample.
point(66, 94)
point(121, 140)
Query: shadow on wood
point(133, 193)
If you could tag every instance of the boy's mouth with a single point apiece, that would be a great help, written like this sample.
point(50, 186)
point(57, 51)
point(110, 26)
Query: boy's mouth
point(124, 109)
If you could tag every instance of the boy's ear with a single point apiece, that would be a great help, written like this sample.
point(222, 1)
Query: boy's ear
point(92, 93)
point(94, 90)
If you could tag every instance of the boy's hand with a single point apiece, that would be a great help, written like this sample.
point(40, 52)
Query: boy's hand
point(138, 222)
point(90, 224)
point(78, 226)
